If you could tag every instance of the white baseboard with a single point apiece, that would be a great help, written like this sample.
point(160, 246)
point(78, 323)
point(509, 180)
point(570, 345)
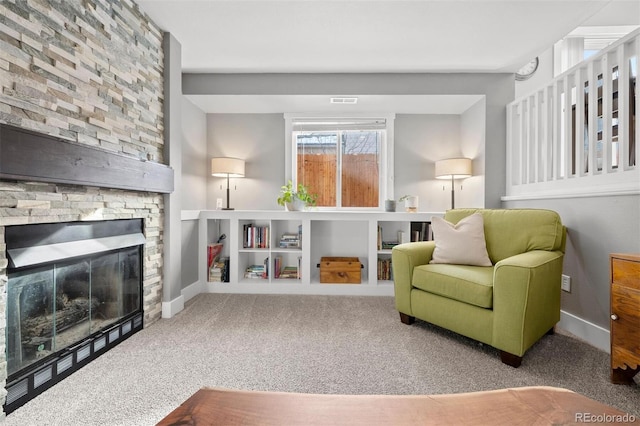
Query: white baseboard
point(591, 333)
point(192, 290)
point(169, 309)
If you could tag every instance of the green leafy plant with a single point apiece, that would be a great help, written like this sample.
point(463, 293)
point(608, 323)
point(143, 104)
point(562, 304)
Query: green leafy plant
point(288, 193)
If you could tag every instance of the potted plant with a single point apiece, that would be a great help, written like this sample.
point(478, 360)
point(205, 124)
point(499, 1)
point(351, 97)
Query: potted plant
point(410, 203)
point(296, 198)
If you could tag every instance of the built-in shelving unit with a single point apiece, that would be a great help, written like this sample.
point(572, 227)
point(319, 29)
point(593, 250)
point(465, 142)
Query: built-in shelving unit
point(321, 233)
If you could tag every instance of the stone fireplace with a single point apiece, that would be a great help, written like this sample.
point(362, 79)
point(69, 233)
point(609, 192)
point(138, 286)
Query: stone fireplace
point(80, 265)
point(27, 203)
point(74, 291)
point(89, 73)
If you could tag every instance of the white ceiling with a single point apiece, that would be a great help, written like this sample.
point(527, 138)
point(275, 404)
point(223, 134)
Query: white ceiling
point(300, 36)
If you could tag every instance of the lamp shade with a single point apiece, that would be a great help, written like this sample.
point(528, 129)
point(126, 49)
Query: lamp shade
point(227, 167)
point(455, 168)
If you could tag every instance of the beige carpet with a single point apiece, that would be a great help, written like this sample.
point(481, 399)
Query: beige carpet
point(311, 344)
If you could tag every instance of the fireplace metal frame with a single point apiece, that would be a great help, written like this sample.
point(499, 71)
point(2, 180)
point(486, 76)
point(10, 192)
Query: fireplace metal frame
point(48, 372)
point(34, 379)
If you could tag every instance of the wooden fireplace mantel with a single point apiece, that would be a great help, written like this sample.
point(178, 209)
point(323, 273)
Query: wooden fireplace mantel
point(33, 156)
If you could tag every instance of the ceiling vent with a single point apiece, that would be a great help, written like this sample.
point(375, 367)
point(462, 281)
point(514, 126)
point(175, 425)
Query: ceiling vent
point(351, 101)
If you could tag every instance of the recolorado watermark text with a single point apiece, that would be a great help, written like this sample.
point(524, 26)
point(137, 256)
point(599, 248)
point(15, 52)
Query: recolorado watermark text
point(604, 418)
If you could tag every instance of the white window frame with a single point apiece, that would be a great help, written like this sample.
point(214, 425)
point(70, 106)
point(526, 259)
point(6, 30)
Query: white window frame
point(386, 153)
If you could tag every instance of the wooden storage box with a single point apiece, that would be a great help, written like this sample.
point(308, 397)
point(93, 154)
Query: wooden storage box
point(340, 270)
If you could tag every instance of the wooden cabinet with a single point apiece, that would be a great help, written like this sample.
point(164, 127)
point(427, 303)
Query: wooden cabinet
point(625, 317)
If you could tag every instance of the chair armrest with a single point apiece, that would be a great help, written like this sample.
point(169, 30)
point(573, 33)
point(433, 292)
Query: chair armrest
point(405, 257)
point(526, 298)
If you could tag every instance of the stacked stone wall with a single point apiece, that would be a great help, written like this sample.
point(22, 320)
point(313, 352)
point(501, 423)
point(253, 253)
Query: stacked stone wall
point(87, 71)
point(90, 71)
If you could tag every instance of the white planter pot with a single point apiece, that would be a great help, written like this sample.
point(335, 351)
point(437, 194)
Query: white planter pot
point(411, 204)
point(296, 205)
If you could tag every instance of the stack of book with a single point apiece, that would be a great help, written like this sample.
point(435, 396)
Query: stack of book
point(256, 272)
point(219, 271)
point(289, 272)
point(290, 241)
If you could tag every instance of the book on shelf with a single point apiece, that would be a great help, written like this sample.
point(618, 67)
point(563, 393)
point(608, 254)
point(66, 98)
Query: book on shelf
point(213, 251)
point(225, 270)
point(385, 245)
point(289, 271)
point(214, 266)
point(265, 274)
point(277, 266)
point(255, 236)
point(421, 231)
point(385, 269)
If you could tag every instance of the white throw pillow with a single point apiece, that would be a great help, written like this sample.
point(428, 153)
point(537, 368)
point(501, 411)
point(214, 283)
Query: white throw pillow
point(462, 243)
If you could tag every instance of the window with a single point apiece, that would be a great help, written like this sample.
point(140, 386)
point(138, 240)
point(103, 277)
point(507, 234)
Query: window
point(343, 161)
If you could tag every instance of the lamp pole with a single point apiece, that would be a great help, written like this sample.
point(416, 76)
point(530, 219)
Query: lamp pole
point(453, 202)
point(228, 208)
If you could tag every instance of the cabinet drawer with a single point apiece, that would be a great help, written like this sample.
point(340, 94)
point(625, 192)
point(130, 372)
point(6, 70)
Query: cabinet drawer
point(625, 331)
point(625, 272)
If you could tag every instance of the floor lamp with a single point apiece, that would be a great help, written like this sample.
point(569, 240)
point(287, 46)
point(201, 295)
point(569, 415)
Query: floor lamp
point(227, 167)
point(453, 168)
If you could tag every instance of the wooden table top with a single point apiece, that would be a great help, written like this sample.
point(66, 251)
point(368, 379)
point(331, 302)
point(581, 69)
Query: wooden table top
point(513, 406)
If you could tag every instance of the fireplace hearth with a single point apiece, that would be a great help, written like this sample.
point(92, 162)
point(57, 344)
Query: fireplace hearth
point(74, 291)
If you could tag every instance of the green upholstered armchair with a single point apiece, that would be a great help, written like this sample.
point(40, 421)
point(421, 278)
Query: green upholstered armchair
point(509, 305)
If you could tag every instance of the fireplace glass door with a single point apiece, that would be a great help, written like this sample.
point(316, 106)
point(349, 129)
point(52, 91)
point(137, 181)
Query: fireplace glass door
point(52, 307)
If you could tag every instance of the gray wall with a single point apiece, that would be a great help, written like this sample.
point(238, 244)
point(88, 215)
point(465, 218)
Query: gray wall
point(172, 265)
point(190, 241)
point(497, 88)
point(259, 140)
point(420, 140)
point(470, 191)
point(194, 184)
point(596, 226)
point(195, 162)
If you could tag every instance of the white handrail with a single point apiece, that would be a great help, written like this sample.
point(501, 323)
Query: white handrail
point(573, 135)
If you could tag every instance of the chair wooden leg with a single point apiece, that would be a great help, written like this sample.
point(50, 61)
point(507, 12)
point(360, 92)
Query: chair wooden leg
point(510, 359)
point(406, 319)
